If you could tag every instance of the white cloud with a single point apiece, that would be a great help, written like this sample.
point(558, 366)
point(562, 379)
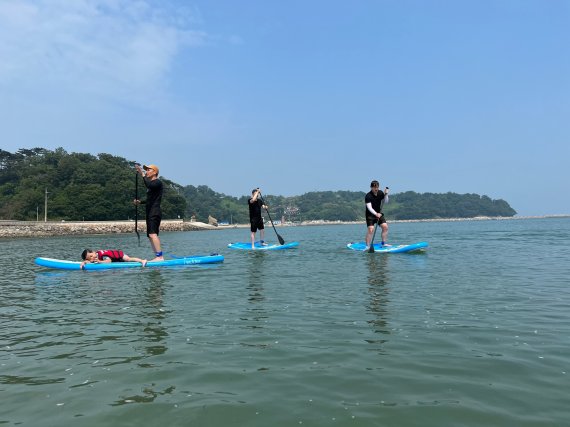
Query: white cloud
point(112, 48)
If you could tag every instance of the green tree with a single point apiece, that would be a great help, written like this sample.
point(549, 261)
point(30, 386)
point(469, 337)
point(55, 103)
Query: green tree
point(83, 186)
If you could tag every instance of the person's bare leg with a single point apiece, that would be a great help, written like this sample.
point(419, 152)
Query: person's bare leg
point(155, 244)
point(384, 233)
point(369, 234)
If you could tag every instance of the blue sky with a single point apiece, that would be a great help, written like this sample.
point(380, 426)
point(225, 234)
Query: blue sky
point(468, 96)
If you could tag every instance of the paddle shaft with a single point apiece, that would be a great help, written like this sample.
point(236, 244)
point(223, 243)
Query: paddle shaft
point(371, 249)
point(137, 207)
point(281, 240)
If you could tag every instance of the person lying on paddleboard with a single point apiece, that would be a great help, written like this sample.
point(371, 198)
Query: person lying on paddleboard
point(255, 218)
point(108, 255)
point(374, 201)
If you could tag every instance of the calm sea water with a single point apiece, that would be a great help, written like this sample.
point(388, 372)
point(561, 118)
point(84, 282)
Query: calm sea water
point(473, 332)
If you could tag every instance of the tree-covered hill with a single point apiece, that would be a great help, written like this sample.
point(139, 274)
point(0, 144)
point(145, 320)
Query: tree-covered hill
point(87, 187)
point(349, 206)
point(79, 186)
point(411, 205)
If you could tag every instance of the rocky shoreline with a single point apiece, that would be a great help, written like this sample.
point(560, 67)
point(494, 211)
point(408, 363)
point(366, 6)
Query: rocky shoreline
point(16, 229)
point(9, 229)
point(477, 218)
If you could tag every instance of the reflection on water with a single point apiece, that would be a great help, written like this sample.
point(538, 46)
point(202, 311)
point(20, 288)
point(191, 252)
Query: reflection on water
point(152, 334)
point(378, 286)
point(123, 312)
point(13, 379)
point(256, 279)
point(154, 314)
point(244, 342)
point(148, 396)
point(51, 278)
point(117, 319)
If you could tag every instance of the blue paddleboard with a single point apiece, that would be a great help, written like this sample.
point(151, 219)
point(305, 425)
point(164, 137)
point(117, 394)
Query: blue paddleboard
point(260, 247)
point(76, 265)
point(394, 249)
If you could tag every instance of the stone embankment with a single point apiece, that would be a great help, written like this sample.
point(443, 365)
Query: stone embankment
point(477, 218)
point(46, 229)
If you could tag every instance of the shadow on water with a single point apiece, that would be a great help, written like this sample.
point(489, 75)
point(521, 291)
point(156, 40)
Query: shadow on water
point(378, 289)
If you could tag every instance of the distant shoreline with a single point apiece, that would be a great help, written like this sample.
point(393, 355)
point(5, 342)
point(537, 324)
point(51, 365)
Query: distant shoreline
point(17, 229)
point(477, 218)
point(9, 229)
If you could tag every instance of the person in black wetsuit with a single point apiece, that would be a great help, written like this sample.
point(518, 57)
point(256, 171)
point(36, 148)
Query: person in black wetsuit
point(373, 201)
point(255, 218)
point(152, 203)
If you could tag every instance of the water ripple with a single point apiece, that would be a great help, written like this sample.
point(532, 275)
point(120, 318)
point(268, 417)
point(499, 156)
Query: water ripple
point(472, 332)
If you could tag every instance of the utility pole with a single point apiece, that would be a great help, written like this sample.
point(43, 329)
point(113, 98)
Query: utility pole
point(45, 207)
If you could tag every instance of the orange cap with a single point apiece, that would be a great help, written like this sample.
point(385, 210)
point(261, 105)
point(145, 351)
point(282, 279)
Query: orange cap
point(145, 167)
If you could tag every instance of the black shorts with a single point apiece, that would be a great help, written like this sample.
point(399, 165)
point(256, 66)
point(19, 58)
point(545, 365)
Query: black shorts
point(256, 224)
point(153, 225)
point(371, 220)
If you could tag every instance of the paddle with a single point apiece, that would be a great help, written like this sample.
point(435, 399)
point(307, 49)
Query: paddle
point(137, 207)
point(281, 241)
point(371, 248)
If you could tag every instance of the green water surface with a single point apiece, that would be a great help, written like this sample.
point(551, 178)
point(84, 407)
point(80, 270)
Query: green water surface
point(473, 332)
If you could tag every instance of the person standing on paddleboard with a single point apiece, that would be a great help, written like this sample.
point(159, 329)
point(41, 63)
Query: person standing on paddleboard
point(255, 218)
point(374, 201)
point(152, 203)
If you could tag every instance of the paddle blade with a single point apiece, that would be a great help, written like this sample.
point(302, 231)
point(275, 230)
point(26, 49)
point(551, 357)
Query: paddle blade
point(281, 241)
point(371, 248)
